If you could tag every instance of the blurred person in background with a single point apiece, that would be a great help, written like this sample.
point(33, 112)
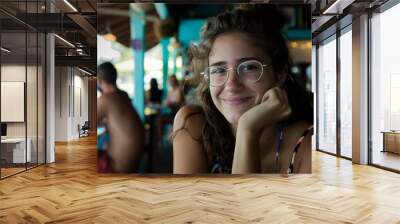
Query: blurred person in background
point(123, 124)
point(154, 94)
point(175, 98)
point(174, 101)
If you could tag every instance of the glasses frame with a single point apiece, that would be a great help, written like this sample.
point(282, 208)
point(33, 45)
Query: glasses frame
point(207, 76)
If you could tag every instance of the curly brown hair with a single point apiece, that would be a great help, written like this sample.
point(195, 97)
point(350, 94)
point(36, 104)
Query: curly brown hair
point(263, 24)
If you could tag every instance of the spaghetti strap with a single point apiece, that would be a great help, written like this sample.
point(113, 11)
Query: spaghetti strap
point(219, 167)
point(296, 148)
point(278, 147)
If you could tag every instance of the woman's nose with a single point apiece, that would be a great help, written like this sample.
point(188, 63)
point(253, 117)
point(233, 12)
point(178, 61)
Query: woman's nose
point(233, 79)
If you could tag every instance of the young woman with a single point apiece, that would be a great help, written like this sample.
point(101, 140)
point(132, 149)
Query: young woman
point(174, 101)
point(253, 117)
point(175, 98)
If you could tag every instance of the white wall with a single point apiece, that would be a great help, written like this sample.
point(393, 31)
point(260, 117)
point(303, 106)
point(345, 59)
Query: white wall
point(12, 73)
point(61, 103)
point(71, 94)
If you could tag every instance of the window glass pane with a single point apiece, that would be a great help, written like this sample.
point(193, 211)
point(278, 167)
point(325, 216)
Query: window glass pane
point(14, 152)
point(31, 97)
point(345, 94)
point(41, 98)
point(314, 90)
point(327, 96)
point(22, 79)
point(385, 84)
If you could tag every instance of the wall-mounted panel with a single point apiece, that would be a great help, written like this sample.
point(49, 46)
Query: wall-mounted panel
point(12, 101)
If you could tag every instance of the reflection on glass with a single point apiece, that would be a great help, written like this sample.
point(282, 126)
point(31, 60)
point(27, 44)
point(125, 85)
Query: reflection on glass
point(345, 94)
point(23, 89)
point(327, 96)
point(31, 97)
point(14, 146)
point(41, 99)
point(385, 89)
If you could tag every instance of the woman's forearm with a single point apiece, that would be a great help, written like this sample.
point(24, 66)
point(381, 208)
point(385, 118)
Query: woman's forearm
point(246, 158)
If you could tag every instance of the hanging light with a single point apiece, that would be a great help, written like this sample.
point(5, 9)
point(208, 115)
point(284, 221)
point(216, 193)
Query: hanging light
point(108, 35)
point(70, 5)
point(84, 71)
point(64, 40)
point(5, 50)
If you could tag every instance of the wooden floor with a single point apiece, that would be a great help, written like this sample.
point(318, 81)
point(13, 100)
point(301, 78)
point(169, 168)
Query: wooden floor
point(10, 171)
point(5, 172)
point(71, 191)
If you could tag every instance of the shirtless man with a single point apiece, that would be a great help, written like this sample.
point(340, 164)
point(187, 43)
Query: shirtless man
point(115, 111)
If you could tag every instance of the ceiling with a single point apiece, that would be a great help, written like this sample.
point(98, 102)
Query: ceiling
point(327, 13)
point(77, 25)
point(114, 17)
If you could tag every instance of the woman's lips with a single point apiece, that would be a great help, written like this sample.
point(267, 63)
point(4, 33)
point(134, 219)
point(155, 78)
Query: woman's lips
point(233, 101)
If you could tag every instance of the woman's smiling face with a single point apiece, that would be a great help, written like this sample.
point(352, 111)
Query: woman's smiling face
point(235, 97)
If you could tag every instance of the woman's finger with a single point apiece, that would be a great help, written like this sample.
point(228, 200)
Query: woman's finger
point(266, 96)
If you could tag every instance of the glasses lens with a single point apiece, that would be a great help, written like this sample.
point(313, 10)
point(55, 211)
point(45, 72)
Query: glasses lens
point(216, 75)
point(250, 71)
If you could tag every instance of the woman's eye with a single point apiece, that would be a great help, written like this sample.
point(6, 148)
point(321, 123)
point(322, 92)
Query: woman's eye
point(250, 67)
point(217, 71)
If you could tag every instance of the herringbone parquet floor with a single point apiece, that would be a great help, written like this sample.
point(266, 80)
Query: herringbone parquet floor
point(71, 191)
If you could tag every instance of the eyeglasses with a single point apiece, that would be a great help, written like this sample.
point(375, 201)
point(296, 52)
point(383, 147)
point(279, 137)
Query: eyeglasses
point(249, 72)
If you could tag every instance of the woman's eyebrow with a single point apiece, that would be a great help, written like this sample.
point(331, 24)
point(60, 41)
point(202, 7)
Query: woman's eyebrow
point(219, 63)
point(248, 58)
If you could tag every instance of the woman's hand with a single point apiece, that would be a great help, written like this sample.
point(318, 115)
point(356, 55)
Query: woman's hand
point(273, 108)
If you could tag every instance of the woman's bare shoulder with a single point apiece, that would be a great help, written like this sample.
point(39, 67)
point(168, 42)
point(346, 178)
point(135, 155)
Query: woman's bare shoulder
point(191, 118)
point(188, 148)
